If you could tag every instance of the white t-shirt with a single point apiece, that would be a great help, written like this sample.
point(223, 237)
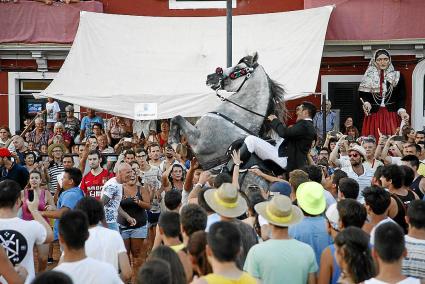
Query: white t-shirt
point(18, 237)
point(144, 126)
point(408, 280)
point(212, 218)
point(329, 198)
point(113, 190)
point(59, 178)
point(175, 162)
point(104, 244)
point(52, 110)
point(374, 165)
point(344, 161)
point(89, 270)
point(363, 180)
point(396, 161)
point(185, 197)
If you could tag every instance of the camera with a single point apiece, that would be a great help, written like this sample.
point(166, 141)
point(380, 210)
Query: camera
point(349, 138)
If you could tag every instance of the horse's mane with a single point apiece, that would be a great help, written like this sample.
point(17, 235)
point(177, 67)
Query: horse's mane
point(276, 103)
point(276, 106)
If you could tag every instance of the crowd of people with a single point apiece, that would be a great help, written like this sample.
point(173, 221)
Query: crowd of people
point(109, 201)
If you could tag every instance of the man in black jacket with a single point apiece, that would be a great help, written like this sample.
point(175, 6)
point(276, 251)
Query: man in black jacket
point(293, 143)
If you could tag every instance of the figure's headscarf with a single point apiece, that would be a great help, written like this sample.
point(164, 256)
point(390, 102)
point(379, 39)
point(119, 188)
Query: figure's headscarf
point(374, 79)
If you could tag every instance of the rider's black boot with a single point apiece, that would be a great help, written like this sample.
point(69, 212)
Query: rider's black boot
point(245, 154)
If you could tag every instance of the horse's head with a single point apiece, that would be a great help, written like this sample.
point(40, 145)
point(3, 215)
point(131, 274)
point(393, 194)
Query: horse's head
point(230, 79)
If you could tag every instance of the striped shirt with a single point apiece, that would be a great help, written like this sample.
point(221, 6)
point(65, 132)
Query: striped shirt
point(54, 170)
point(414, 263)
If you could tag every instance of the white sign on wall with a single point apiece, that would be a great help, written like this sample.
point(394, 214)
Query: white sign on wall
point(146, 111)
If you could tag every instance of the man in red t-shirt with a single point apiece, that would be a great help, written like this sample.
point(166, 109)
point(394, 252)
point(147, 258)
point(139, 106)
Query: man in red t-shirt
point(94, 180)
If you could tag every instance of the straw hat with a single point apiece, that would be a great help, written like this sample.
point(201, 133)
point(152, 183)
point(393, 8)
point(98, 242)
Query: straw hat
point(311, 197)
point(226, 201)
point(359, 149)
point(279, 211)
point(55, 145)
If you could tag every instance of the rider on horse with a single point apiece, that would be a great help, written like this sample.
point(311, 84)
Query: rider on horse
point(292, 144)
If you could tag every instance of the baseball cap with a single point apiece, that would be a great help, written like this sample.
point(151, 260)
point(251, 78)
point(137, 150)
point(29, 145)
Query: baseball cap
point(283, 188)
point(4, 152)
point(332, 216)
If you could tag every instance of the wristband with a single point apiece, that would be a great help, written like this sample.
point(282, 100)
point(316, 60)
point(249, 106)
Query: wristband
point(237, 164)
point(199, 184)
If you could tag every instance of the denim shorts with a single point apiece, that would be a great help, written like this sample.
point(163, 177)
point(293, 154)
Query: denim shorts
point(136, 233)
point(113, 226)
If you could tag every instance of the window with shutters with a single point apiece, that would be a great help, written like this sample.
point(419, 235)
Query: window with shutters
point(345, 97)
point(342, 91)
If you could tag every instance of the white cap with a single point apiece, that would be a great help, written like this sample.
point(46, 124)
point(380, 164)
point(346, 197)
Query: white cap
point(333, 216)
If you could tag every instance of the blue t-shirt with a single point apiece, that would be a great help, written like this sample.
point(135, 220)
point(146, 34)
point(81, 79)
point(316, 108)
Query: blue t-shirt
point(87, 125)
point(69, 198)
point(312, 231)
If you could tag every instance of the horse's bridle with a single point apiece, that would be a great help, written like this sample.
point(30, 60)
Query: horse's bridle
point(247, 71)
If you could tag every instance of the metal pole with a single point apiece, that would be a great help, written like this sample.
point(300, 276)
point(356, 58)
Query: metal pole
point(324, 115)
point(229, 32)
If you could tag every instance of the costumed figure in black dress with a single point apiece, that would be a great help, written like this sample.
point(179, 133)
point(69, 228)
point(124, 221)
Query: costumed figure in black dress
point(383, 93)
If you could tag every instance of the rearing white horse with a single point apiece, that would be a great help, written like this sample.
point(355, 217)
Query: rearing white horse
point(243, 113)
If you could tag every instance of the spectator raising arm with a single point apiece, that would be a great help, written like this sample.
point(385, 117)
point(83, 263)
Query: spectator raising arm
point(203, 178)
point(384, 155)
point(188, 183)
point(165, 181)
point(33, 208)
point(327, 140)
point(267, 177)
point(380, 146)
point(333, 157)
point(236, 156)
point(83, 159)
point(9, 273)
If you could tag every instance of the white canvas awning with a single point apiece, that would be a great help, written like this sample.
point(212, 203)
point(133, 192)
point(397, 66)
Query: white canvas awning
point(118, 63)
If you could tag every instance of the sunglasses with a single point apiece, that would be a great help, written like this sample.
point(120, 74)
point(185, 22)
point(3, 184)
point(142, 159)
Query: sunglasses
point(141, 156)
point(355, 155)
